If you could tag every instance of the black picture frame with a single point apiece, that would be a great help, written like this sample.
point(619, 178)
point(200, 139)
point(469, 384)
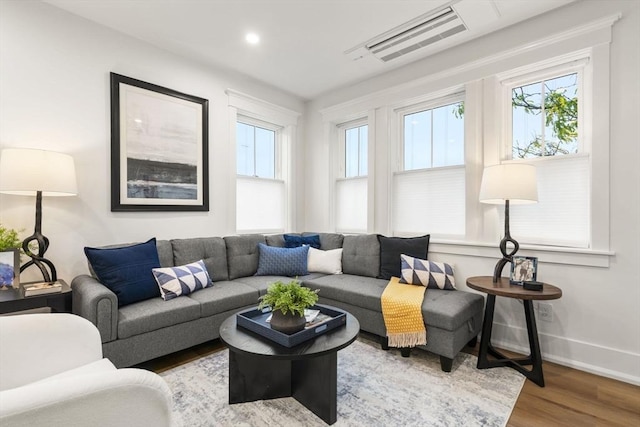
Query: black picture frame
point(523, 269)
point(159, 148)
point(10, 268)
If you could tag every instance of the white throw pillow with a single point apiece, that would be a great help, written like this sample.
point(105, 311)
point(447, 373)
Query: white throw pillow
point(329, 262)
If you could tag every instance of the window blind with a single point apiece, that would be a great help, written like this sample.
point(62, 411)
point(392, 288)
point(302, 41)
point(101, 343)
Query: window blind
point(429, 201)
point(260, 204)
point(351, 205)
point(562, 215)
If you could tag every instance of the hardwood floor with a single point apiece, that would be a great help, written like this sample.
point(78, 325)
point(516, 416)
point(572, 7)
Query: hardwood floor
point(570, 398)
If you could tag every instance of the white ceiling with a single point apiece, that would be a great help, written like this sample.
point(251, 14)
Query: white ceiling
point(302, 41)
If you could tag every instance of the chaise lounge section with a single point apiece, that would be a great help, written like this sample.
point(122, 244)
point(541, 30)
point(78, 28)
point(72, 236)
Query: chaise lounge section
point(147, 329)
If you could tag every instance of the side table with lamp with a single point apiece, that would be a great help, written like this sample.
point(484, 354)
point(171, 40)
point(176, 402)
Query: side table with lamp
point(505, 289)
point(39, 173)
point(504, 184)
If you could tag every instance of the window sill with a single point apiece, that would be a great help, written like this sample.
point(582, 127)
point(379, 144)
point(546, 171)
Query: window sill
point(547, 254)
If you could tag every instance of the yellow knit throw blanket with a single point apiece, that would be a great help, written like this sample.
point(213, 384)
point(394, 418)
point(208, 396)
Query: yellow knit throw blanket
point(402, 313)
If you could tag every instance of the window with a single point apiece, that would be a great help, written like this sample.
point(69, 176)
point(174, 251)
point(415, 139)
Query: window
point(258, 180)
point(546, 132)
point(429, 189)
point(545, 117)
point(351, 199)
point(356, 140)
point(434, 138)
point(255, 151)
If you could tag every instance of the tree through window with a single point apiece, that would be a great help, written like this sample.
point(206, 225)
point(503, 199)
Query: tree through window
point(545, 117)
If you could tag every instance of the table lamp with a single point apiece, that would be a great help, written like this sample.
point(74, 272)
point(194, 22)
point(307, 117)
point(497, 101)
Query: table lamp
point(513, 183)
point(27, 172)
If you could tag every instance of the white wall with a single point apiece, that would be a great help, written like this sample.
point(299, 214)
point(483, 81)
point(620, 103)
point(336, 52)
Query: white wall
point(596, 324)
point(54, 94)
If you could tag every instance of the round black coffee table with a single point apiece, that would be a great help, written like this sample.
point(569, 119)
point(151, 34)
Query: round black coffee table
point(260, 369)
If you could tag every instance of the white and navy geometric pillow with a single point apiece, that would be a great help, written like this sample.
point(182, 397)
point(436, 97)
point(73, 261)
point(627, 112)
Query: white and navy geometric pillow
point(434, 275)
point(182, 280)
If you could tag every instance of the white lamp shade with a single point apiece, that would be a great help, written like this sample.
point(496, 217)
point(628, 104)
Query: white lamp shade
point(515, 182)
point(24, 172)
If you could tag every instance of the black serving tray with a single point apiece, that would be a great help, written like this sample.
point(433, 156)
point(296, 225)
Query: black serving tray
point(256, 320)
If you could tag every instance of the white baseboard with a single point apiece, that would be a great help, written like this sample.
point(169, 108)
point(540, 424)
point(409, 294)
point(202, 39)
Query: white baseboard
point(596, 359)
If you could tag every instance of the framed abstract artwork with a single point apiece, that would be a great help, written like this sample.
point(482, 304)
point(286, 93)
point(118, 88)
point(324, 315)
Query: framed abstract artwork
point(159, 148)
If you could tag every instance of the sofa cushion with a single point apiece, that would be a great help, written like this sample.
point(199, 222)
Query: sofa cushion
point(261, 283)
point(242, 254)
point(442, 309)
point(328, 241)
point(434, 275)
point(165, 253)
point(360, 291)
point(275, 261)
point(328, 262)
point(182, 280)
point(225, 296)
point(361, 255)
point(154, 314)
point(127, 270)
point(450, 310)
point(276, 240)
point(392, 247)
point(212, 250)
point(294, 241)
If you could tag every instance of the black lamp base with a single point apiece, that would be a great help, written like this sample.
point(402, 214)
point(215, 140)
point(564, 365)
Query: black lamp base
point(37, 258)
point(507, 256)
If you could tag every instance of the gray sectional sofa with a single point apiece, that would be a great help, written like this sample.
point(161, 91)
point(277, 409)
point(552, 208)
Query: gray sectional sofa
point(151, 328)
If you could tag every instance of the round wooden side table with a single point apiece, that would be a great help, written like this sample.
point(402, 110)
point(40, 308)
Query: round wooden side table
point(504, 289)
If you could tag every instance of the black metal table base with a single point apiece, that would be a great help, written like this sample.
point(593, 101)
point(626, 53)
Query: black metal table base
point(534, 359)
point(312, 381)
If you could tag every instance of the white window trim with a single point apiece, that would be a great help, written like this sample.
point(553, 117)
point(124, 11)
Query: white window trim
point(247, 106)
point(334, 122)
point(342, 146)
point(277, 148)
point(478, 77)
point(576, 62)
point(432, 104)
point(595, 63)
point(428, 101)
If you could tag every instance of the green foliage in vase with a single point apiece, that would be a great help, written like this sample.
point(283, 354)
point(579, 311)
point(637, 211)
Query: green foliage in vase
point(9, 239)
point(288, 297)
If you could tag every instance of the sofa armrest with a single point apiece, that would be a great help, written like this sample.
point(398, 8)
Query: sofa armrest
point(120, 397)
point(36, 346)
point(96, 303)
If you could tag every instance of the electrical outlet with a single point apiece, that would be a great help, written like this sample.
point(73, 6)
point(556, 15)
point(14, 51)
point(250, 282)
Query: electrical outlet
point(545, 311)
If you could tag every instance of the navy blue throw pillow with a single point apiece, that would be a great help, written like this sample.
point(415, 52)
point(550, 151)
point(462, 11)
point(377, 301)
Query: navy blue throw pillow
point(293, 241)
point(392, 247)
point(274, 261)
point(127, 271)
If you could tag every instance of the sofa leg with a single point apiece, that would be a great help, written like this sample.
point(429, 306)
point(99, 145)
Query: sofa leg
point(384, 343)
point(405, 351)
point(473, 342)
point(446, 364)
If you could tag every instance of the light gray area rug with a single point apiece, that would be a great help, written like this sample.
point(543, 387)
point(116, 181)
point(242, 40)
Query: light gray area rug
point(375, 388)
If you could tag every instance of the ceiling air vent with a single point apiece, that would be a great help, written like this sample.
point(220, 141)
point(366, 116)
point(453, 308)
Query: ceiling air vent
point(419, 33)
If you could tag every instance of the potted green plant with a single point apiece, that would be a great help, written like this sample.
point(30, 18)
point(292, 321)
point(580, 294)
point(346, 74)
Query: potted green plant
point(9, 239)
point(287, 302)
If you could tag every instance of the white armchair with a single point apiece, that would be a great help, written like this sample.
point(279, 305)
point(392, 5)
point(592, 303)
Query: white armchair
point(52, 374)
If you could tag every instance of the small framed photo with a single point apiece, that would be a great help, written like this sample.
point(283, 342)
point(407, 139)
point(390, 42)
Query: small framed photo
point(523, 269)
point(10, 268)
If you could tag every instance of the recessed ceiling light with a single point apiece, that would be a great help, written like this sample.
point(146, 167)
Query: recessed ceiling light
point(252, 38)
